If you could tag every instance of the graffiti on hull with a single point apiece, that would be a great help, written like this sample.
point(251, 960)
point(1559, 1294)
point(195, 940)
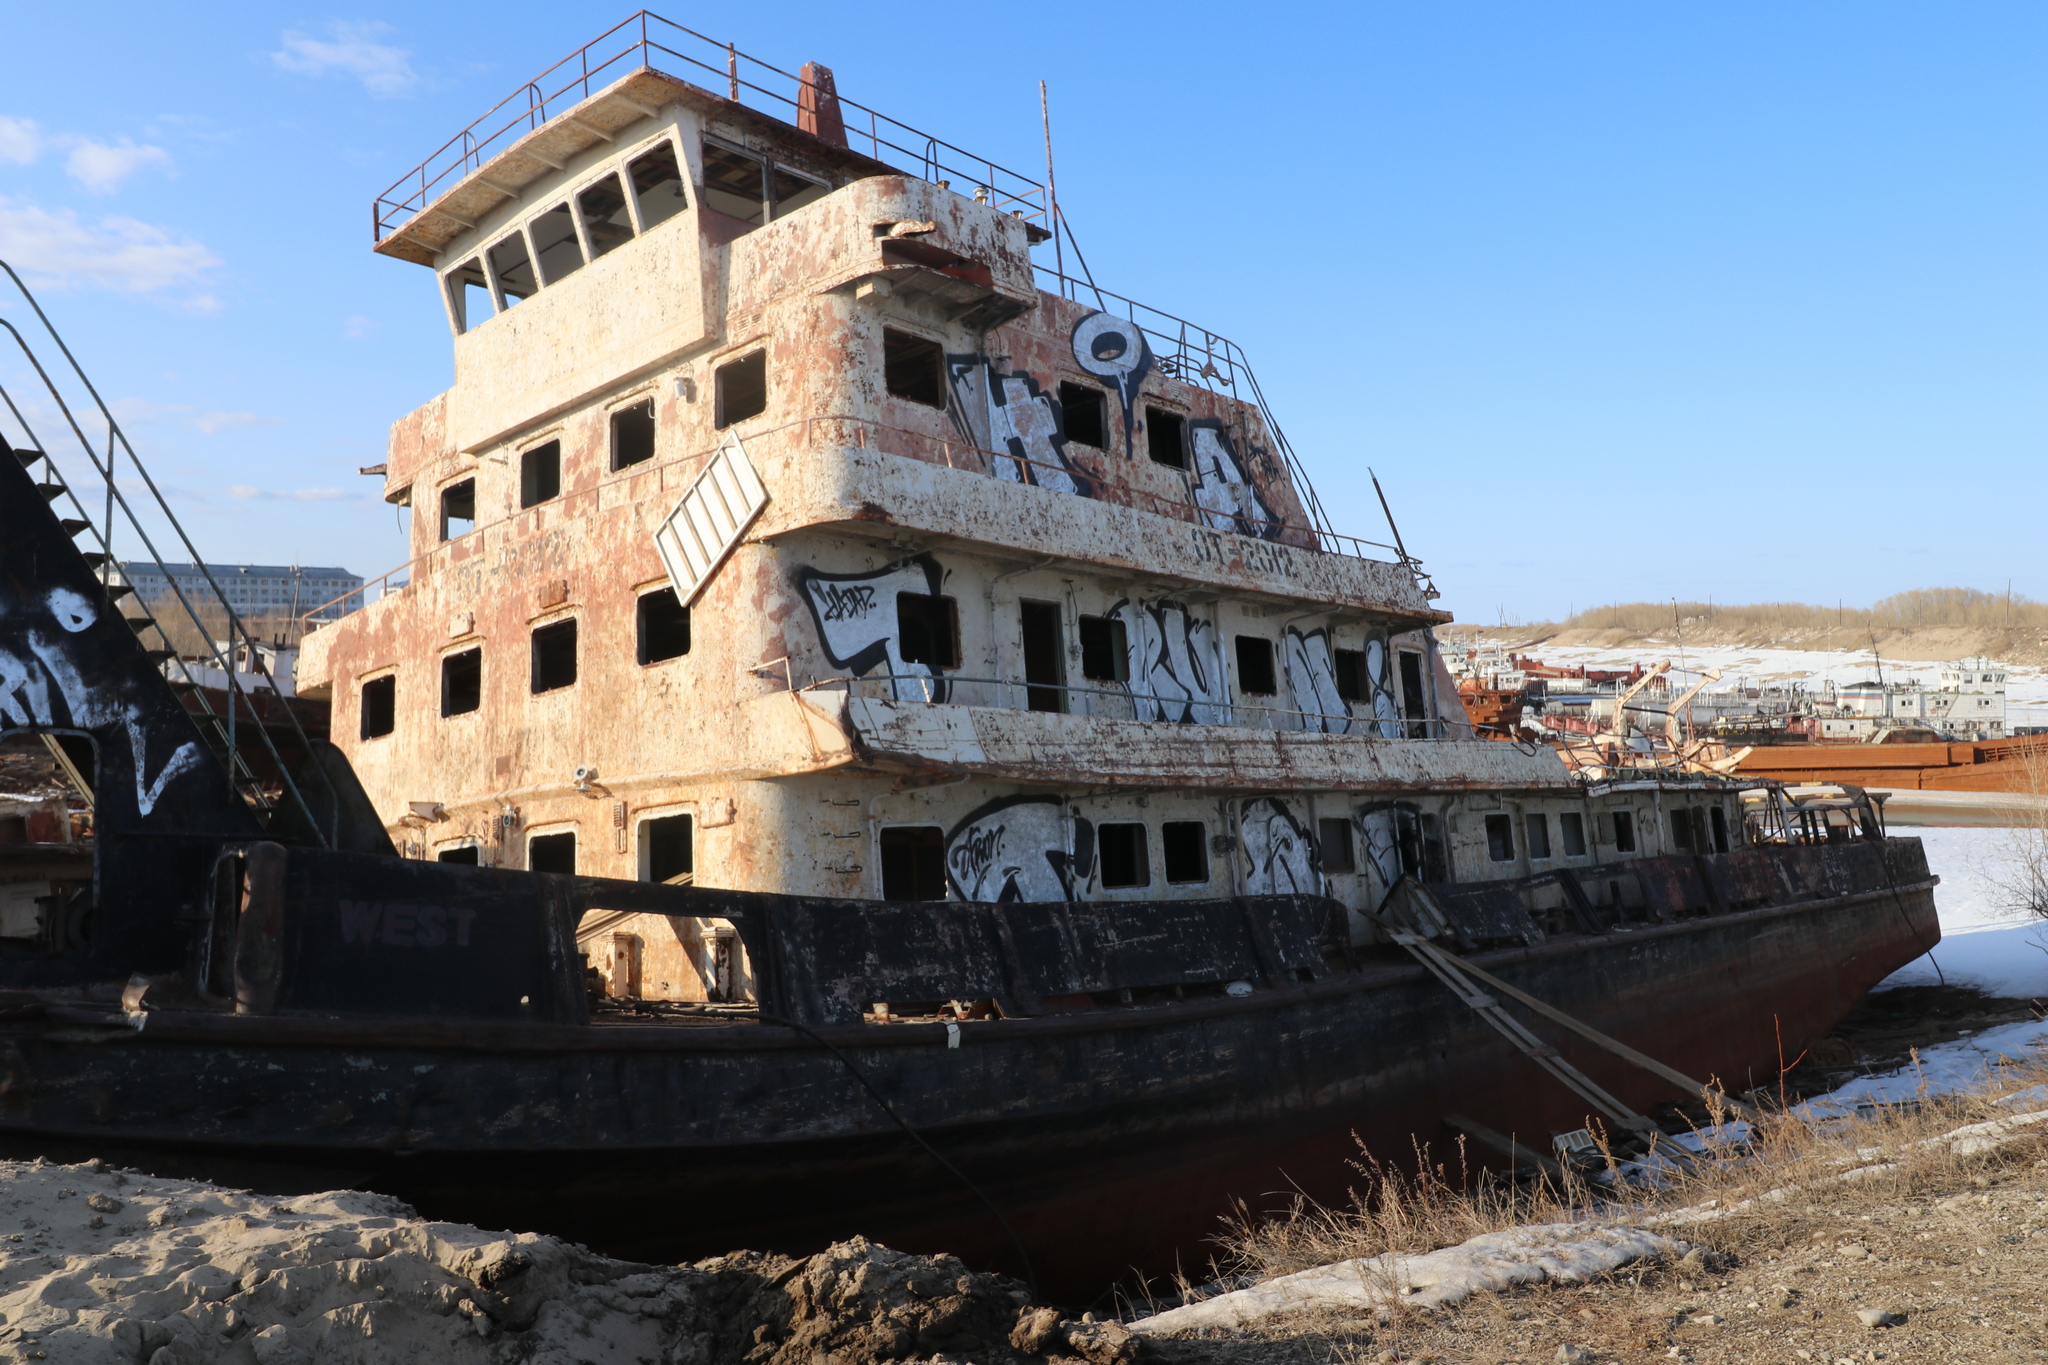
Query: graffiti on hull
point(1312, 683)
point(1379, 678)
point(860, 625)
point(1020, 848)
point(1111, 348)
point(1025, 433)
point(1221, 487)
point(1279, 854)
point(1175, 664)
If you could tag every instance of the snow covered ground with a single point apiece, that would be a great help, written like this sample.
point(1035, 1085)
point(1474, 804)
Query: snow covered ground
point(2026, 692)
point(1983, 942)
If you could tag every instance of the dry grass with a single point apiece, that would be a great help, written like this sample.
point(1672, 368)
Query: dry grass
point(1919, 609)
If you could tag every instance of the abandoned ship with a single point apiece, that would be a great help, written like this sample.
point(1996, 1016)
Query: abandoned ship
point(852, 680)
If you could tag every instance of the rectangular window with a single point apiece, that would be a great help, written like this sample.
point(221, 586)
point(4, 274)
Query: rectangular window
point(1255, 666)
point(540, 474)
point(1571, 830)
point(380, 706)
point(458, 509)
point(1185, 846)
point(1333, 845)
point(734, 184)
point(793, 191)
point(606, 220)
point(1412, 704)
point(663, 626)
point(633, 434)
point(466, 854)
point(555, 244)
point(913, 863)
point(1044, 657)
point(1538, 832)
point(1681, 829)
point(462, 682)
point(742, 388)
point(1624, 831)
point(554, 656)
point(1719, 818)
point(1349, 666)
point(1166, 437)
point(1500, 838)
point(552, 853)
point(657, 185)
point(927, 630)
point(513, 271)
point(1120, 853)
point(1105, 651)
point(666, 852)
point(469, 294)
point(1083, 415)
point(914, 368)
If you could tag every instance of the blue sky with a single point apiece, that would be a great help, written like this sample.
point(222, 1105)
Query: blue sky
point(1741, 301)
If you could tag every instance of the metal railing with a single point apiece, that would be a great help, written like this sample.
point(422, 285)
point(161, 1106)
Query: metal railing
point(225, 731)
point(646, 40)
point(933, 448)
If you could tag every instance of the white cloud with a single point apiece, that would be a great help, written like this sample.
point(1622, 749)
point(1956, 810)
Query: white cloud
point(103, 166)
point(248, 493)
point(21, 142)
point(139, 412)
point(350, 50)
point(357, 326)
point(60, 248)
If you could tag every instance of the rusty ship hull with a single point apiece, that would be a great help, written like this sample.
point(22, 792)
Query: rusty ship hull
point(1114, 1141)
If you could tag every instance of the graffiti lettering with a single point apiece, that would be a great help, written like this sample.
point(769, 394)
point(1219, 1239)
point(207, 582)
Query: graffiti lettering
point(838, 604)
point(1017, 849)
point(1280, 857)
point(1222, 489)
point(404, 926)
point(1114, 349)
point(1175, 664)
point(975, 854)
point(1312, 682)
point(857, 623)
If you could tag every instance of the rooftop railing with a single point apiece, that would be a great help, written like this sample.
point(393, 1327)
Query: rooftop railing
point(646, 40)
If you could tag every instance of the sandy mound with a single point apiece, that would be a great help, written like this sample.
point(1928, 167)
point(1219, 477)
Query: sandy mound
point(101, 1267)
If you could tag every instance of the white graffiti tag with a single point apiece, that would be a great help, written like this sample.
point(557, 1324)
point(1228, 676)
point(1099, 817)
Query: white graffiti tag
point(1222, 489)
point(859, 623)
point(1024, 431)
point(1280, 858)
point(1175, 664)
point(1312, 682)
point(1016, 849)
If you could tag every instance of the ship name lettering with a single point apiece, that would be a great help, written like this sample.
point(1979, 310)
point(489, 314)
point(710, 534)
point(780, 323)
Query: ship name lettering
point(405, 926)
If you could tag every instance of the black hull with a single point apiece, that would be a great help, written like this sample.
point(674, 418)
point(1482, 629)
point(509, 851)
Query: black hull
point(1112, 1140)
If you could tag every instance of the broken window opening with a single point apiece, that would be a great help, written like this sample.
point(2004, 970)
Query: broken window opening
point(1166, 437)
point(1624, 831)
point(1255, 666)
point(554, 657)
point(1333, 845)
point(1538, 830)
point(540, 474)
point(1083, 415)
point(469, 855)
point(1500, 838)
point(1681, 829)
point(667, 850)
point(914, 368)
point(1571, 831)
point(469, 295)
point(1413, 706)
point(1044, 657)
point(657, 185)
point(913, 863)
point(458, 509)
point(742, 387)
point(1105, 651)
point(462, 682)
point(511, 270)
point(793, 191)
point(735, 184)
point(606, 221)
point(552, 853)
point(633, 434)
point(1349, 667)
point(663, 626)
point(1719, 819)
point(380, 707)
point(1185, 844)
point(1121, 855)
point(927, 630)
point(556, 245)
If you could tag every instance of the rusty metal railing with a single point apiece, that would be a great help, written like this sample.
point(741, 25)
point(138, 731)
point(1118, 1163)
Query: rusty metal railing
point(647, 40)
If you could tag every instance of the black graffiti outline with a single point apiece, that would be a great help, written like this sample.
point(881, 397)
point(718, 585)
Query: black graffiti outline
point(1144, 692)
point(1319, 716)
point(959, 369)
point(1070, 869)
point(1264, 525)
point(877, 651)
point(1128, 380)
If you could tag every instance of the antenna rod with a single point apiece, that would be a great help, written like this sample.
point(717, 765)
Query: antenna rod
point(1390, 514)
point(1052, 191)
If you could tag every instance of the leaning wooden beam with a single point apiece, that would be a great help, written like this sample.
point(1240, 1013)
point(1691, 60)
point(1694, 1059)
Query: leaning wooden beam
point(1506, 1146)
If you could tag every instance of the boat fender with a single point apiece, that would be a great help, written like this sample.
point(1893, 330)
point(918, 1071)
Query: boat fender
point(952, 1035)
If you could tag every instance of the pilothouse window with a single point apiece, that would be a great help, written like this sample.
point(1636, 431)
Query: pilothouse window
point(657, 185)
point(555, 243)
point(733, 184)
point(469, 294)
point(605, 219)
point(514, 272)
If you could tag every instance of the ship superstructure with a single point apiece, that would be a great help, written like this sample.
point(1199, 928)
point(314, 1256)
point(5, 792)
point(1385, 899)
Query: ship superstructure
point(787, 528)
